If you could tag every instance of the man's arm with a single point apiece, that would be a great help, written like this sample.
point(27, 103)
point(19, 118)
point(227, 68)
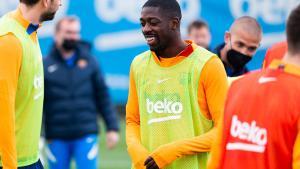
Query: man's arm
point(215, 158)
point(103, 100)
point(105, 108)
point(10, 63)
point(296, 151)
point(213, 80)
point(136, 150)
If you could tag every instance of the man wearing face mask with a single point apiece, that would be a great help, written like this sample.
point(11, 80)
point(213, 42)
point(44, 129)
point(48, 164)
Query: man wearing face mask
point(75, 93)
point(241, 43)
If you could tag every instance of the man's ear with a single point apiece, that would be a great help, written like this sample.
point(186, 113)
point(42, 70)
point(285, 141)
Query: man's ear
point(45, 3)
point(227, 37)
point(175, 23)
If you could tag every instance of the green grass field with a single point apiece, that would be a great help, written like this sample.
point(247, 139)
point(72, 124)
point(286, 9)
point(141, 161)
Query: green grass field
point(117, 158)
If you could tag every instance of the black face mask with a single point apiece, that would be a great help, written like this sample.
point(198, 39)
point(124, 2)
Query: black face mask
point(69, 44)
point(237, 60)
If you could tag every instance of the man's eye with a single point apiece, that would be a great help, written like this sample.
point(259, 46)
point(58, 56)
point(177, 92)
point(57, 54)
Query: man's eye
point(240, 45)
point(153, 23)
point(252, 49)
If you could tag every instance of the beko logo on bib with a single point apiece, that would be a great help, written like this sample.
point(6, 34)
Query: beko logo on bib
point(164, 106)
point(170, 110)
point(247, 132)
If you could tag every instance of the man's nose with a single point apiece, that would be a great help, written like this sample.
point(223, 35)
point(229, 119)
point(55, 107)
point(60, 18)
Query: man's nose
point(245, 51)
point(146, 29)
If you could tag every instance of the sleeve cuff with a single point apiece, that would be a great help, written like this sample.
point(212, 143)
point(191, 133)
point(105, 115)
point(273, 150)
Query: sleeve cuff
point(159, 160)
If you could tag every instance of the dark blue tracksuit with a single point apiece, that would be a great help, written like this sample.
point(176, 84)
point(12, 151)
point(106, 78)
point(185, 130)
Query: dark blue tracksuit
point(75, 94)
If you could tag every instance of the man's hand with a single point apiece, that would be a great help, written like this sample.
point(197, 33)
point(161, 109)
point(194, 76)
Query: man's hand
point(150, 163)
point(112, 138)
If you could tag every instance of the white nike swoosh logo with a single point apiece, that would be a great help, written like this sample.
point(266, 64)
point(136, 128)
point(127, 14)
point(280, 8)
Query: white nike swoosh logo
point(162, 80)
point(52, 68)
point(266, 79)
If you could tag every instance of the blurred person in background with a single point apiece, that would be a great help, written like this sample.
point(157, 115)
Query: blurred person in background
point(75, 94)
point(241, 43)
point(21, 83)
point(198, 32)
point(277, 51)
point(261, 124)
point(176, 95)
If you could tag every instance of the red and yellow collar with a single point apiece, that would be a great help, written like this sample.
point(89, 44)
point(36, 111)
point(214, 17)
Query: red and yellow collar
point(166, 62)
point(286, 67)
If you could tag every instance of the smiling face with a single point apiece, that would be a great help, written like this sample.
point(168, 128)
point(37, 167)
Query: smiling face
point(157, 28)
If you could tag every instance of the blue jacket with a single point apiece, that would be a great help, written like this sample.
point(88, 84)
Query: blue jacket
point(75, 95)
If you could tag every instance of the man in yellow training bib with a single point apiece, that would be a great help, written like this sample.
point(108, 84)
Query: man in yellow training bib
point(22, 83)
point(177, 93)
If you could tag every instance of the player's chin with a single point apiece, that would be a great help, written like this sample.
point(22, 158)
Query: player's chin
point(154, 47)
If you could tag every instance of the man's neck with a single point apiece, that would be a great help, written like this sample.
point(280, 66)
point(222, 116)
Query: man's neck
point(223, 56)
point(66, 54)
point(173, 50)
point(30, 13)
point(292, 59)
